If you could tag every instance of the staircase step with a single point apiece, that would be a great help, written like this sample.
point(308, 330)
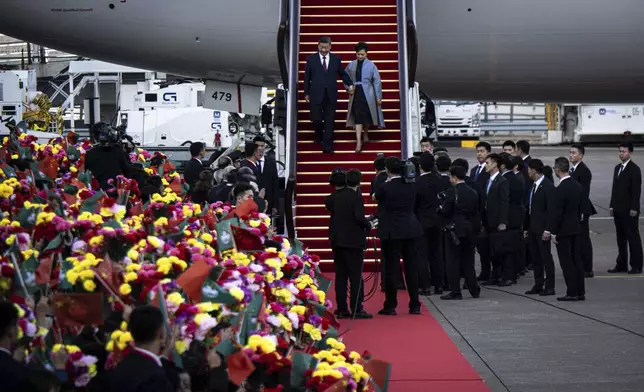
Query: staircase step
point(307, 4)
point(349, 135)
point(383, 65)
point(334, 29)
point(349, 55)
point(319, 209)
point(348, 145)
point(350, 35)
point(358, 18)
point(312, 45)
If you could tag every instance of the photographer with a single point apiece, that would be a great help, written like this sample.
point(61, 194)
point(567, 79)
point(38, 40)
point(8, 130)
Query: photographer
point(459, 209)
point(106, 160)
point(348, 230)
point(398, 230)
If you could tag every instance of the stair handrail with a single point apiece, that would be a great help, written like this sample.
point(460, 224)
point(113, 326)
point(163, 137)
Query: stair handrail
point(291, 115)
point(282, 32)
point(412, 41)
point(403, 83)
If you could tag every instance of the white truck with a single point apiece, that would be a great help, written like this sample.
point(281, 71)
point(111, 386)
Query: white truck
point(458, 119)
point(604, 123)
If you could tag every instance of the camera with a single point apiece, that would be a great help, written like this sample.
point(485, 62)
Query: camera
point(373, 220)
point(409, 171)
point(449, 231)
point(442, 196)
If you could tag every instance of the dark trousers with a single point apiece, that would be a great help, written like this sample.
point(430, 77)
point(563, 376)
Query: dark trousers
point(323, 116)
point(503, 264)
point(568, 250)
point(347, 263)
point(399, 275)
point(586, 245)
point(483, 247)
point(628, 233)
point(519, 261)
point(393, 250)
point(542, 262)
point(430, 265)
point(460, 261)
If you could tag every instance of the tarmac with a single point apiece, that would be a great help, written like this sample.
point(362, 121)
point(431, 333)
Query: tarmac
point(521, 343)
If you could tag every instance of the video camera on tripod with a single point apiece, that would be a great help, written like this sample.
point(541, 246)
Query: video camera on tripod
point(106, 134)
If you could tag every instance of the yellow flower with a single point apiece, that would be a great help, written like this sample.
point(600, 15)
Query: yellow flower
point(130, 277)
point(133, 267)
point(10, 240)
point(87, 274)
point(207, 237)
point(175, 298)
point(89, 285)
point(298, 309)
point(181, 346)
point(316, 335)
point(154, 241)
point(254, 223)
point(354, 355)
point(106, 212)
point(125, 289)
point(72, 277)
point(237, 293)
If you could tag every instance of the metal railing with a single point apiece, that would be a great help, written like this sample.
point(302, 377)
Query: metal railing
point(403, 84)
point(412, 42)
point(290, 84)
point(282, 32)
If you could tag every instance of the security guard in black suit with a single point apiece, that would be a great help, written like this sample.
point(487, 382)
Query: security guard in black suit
point(580, 172)
point(348, 230)
point(428, 186)
point(460, 211)
point(398, 230)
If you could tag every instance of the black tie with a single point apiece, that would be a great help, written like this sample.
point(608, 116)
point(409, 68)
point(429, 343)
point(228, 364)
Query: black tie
point(259, 166)
point(621, 169)
point(572, 170)
point(534, 190)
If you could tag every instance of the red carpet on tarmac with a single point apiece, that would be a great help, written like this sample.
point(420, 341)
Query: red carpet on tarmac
point(422, 355)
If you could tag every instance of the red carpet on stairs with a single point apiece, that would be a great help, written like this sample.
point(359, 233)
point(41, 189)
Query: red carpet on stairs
point(422, 355)
point(347, 22)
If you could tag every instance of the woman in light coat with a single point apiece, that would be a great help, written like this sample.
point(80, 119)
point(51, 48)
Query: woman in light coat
point(365, 109)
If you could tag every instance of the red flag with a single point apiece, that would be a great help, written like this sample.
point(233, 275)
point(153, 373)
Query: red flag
point(261, 316)
point(193, 278)
point(137, 209)
point(379, 370)
point(69, 199)
point(43, 272)
point(340, 386)
point(78, 310)
point(106, 272)
point(168, 167)
point(240, 367)
point(246, 240)
point(246, 208)
point(210, 219)
point(175, 185)
point(49, 167)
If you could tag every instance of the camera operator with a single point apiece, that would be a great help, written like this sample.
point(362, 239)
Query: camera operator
point(348, 230)
point(459, 209)
point(106, 160)
point(399, 230)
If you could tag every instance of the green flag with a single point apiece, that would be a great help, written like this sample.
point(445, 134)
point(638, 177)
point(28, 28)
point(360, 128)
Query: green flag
point(63, 283)
point(28, 273)
point(297, 247)
point(8, 170)
point(300, 363)
point(212, 292)
point(55, 243)
point(73, 154)
point(92, 204)
point(27, 217)
point(176, 358)
point(324, 283)
point(225, 238)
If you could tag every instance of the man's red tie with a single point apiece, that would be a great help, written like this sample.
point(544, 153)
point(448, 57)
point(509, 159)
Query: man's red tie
point(324, 63)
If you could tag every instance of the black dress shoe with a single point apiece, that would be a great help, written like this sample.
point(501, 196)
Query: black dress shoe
point(476, 293)
point(546, 293)
point(635, 271)
point(482, 278)
point(617, 270)
point(589, 274)
point(342, 314)
point(438, 291)
point(505, 283)
point(387, 312)
point(533, 291)
point(581, 297)
point(451, 296)
point(425, 292)
point(568, 298)
point(490, 282)
point(415, 311)
point(362, 314)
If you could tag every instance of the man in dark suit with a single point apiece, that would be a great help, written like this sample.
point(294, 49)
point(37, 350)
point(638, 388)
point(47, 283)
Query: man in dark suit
point(495, 220)
point(430, 264)
point(523, 152)
point(516, 214)
point(268, 176)
point(540, 224)
point(478, 172)
point(251, 152)
point(625, 210)
point(321, 91)
point(481, 177)
point(381, 175)
point(565, 234)
point(471, 183)
point(582, 174)
point(142, 370)
point(348, 230)
point(194, 166)
point(398, 230)
point(460, 211)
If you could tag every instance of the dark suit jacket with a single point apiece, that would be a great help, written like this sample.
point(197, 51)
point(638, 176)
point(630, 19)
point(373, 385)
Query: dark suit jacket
point(568, 213)
point(482, 178)
point(516, 213)
point(396, 220)
point(526, 178)
point(584, 176)
point(461, 208)
point(252, 166)
point(12, 373)
point(497, 203)
point(480, 193)
point(316, 81)
point(270, 181)
point(348, 226)
point(191, 172)
point(428, 186)
point(377, 181)
point(543, 215)
point(138, 373)
point(627, 189)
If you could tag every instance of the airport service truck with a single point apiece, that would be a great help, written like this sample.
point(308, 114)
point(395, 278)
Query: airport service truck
point(458, 119)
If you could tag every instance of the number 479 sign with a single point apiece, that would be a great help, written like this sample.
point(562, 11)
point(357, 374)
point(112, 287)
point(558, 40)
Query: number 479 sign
point(232, 97)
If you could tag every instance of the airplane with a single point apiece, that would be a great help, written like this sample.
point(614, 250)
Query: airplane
point(492, 50)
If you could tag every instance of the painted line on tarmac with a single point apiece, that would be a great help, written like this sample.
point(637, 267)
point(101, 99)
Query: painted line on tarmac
point(620, 276)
